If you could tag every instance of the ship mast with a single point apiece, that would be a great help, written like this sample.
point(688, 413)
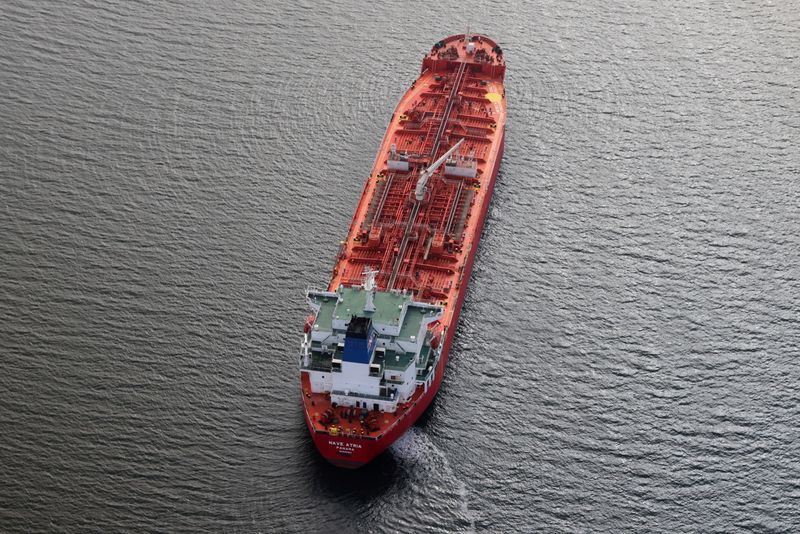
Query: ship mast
point(369, 287)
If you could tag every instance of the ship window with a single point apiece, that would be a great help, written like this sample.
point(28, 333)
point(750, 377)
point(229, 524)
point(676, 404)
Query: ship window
point(375, 406)
point(358, 404)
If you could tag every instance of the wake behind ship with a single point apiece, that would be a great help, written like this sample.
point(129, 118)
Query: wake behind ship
point(376, 344)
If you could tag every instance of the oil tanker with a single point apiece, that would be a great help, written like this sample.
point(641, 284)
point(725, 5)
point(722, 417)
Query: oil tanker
point(376, 343)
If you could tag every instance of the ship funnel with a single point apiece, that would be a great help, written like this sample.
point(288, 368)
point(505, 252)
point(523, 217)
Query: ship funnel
point(359, 341)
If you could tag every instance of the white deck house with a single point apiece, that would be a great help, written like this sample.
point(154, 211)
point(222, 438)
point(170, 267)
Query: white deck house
point(369, 349)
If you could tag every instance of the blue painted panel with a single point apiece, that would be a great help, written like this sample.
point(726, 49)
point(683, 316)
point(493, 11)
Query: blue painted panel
point(358, 350)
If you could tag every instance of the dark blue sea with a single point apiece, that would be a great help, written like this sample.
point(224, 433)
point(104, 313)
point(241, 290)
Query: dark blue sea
point(174, 174)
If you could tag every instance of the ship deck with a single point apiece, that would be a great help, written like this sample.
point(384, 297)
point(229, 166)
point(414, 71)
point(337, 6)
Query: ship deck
point(423, 246)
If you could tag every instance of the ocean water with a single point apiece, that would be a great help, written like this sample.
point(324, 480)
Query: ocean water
point(174, 174)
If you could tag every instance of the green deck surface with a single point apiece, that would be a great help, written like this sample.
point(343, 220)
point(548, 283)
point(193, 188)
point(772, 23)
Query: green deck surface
point(411, 323)
point(388, 308)
point(391, 361)
point(325, 315)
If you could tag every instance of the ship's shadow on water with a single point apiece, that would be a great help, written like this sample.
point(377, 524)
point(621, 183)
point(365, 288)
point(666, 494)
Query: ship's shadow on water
point(363, 484)
point(367, 482)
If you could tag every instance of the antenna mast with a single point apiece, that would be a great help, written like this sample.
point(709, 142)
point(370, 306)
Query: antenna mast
point(369, 287)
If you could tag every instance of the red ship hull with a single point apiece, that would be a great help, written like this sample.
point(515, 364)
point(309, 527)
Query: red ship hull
point(466, 115)
point(364, 451)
